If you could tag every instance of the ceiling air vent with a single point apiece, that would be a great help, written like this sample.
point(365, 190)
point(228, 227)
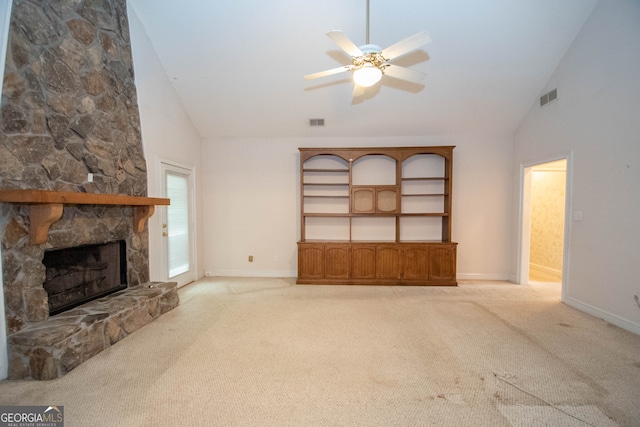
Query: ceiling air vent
point(548, 97)
point(316, 122)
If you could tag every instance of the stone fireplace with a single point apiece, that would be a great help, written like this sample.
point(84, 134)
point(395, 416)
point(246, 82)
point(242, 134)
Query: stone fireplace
point(70, 124)
point(81, 274)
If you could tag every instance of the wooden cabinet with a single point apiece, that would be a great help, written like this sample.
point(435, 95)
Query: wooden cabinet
point(376, 263)
point(376, 216)
point(442, 263)
point(311, 261)
point(415, 262)
point(363, 259)
point(337, 260)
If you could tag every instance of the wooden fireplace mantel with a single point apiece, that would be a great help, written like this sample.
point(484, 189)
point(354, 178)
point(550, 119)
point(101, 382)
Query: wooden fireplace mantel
point(45, 207)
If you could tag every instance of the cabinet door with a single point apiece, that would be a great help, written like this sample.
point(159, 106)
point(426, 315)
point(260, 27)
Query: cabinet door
point(363, 200)
point(311, 261)
point(388, 261)
point(415, 265)
point(442, 262)
point(337, 261)
point(375, 200)
point(386, 200)
point(363, 262)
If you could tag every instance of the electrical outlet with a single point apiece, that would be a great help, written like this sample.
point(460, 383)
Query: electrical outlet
point(89, 177)
point(250, 258)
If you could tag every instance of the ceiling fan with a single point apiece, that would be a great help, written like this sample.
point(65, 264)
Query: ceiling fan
point(370, 62)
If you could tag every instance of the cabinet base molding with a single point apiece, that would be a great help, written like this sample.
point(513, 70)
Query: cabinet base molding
point(375, 282)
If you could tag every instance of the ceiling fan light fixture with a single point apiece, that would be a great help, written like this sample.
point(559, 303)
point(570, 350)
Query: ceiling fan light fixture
point(367, 75)
point(369, 62)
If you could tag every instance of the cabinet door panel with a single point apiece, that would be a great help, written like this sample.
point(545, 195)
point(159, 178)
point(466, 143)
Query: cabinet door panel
point(337, 261)
point(363, 262)
point(311, 261)
point(386, 200)
point(388, 262)
point(442, 263)
point(415, 264)
point(363, 200)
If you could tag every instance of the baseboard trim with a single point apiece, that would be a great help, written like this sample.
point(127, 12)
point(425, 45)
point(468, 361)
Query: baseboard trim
point(544, 268)
point(252, 273)
point(293, 273)
point(604, 315)
point(482, 276)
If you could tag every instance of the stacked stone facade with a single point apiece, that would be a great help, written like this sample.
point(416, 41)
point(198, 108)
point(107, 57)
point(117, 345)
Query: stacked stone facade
point(69, 105)
point(69, 109)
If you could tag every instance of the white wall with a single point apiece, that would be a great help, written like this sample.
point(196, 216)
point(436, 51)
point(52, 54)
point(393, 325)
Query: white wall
point(167, 134)
point(251, 202)
point(597, 118)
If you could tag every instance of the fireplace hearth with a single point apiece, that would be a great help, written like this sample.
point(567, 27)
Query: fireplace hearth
point(89, 246)
point(84, 273)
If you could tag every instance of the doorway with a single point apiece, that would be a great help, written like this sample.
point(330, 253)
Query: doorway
point(544, 222)
point(178, 224)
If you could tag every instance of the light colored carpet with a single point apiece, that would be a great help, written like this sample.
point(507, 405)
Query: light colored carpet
point(266, 352)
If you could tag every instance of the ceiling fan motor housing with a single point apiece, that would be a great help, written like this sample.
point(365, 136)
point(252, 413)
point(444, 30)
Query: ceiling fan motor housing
point(370, 48)
point(371, 54)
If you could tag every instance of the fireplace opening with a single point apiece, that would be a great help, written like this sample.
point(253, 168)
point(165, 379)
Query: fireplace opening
point(80, 274)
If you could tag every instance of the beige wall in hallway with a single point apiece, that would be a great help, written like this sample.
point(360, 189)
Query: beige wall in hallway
point(548, 187)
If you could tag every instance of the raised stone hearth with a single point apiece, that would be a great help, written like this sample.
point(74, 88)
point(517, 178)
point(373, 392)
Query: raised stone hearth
point(49, 349)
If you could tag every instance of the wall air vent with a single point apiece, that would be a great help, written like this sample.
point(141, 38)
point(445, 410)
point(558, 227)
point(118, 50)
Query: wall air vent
point(316, 122)
point(548, 97)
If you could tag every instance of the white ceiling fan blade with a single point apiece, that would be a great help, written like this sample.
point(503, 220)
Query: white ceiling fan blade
point(328, 72)
point(405, 46)
point(345, 43)
point(403, 73)
point(358, 90)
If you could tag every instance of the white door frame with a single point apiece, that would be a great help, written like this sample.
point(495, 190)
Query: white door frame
point(524, 226)
point(5, 20)
point(190, 171)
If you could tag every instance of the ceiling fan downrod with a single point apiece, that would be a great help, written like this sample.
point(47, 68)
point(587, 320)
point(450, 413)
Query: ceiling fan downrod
point(367, 35)
point(369, 67)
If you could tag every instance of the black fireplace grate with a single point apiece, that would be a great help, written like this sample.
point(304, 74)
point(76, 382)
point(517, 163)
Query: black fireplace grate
point(80, 274)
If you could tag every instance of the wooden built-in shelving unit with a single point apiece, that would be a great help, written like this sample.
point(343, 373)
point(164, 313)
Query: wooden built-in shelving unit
point(376, 215)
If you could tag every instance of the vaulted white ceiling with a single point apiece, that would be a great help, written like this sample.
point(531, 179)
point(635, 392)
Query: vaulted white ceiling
point(238, 65)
